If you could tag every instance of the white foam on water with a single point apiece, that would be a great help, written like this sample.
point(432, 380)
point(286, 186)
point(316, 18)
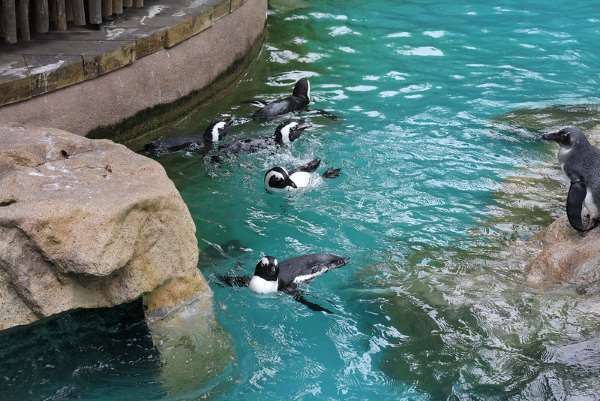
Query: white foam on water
point(435, 34)
point(425, 51)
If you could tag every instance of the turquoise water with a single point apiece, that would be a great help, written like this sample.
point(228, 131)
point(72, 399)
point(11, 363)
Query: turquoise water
point(433, 305)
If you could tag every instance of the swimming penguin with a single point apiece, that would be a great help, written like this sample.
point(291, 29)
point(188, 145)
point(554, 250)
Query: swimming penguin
point(580, 161)
point(213, 133)
point(299, 100)
point(278, 179)
point(270, 276)
point(285, 133)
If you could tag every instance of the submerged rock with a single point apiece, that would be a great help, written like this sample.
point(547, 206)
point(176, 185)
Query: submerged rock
point(84, 224)
point(584, 116)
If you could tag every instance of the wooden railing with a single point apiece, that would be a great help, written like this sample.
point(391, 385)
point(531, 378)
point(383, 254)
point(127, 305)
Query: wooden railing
point(20, 18)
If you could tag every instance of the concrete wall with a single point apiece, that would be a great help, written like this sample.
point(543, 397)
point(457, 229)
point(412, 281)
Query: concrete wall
point(159, 78)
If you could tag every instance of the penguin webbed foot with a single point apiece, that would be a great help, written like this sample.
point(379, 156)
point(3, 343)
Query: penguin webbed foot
point(298, 296)
point(332, 173)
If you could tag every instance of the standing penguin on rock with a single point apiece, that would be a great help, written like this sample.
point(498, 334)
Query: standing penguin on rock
point(580, 161)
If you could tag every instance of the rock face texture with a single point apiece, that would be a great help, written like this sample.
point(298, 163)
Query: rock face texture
point(86, 223)
point(567, 257)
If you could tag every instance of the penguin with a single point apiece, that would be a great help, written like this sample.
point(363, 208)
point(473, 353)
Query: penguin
point(213, 133)
point(278, 179)
point(299, 100)
point(580, 161)
point(271, 277)
point(285, 133)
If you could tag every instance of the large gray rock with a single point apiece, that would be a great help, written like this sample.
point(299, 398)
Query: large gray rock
point(87, 223)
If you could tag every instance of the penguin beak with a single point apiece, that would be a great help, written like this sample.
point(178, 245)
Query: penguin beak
point(291, 183)
point(553, 136)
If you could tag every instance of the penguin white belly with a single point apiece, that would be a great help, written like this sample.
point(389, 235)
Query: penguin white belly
point(301, 179)
point(262, 286)
point(589, 211)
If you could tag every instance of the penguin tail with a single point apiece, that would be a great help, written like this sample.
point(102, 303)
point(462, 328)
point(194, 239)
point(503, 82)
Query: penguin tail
point(332, 173)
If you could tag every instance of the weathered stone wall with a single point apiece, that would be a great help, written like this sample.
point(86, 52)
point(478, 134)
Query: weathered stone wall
point(163, 76)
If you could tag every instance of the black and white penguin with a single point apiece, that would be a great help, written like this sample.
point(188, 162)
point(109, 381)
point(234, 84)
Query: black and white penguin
point(213, 133)
point(278, 179)
point(580, 161)
point(285, 133)
point(299, 100)
point(270, 276)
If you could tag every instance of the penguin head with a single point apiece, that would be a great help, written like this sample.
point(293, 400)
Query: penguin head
point(278, 179)
point(288, 131)
point(302, 89)
point(216, 131)
point(267, 268)
point(567, 137)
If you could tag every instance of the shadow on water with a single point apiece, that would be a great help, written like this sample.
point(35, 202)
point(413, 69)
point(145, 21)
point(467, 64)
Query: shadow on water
point(76, 353)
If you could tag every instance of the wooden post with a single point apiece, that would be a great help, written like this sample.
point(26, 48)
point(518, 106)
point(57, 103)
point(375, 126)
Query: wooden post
point(78, 12)
point(127, 3)
point(41, 16)
point(69, 7)
point(107, 10)
point(117, 6)
point(138, 3)
point(58, 15)
point(23, 19)
point(9, 20)
point(95, 11)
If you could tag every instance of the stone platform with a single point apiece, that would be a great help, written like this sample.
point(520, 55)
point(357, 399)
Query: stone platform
point(57, 78)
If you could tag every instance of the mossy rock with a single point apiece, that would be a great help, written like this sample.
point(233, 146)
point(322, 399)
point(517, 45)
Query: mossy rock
point(584, 116)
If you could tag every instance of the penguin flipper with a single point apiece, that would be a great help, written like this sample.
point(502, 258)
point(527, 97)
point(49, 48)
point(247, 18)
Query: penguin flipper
point(299, 297)
point(309, 167)
point(254, 102)
point(576, 209)
point(234, 281)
